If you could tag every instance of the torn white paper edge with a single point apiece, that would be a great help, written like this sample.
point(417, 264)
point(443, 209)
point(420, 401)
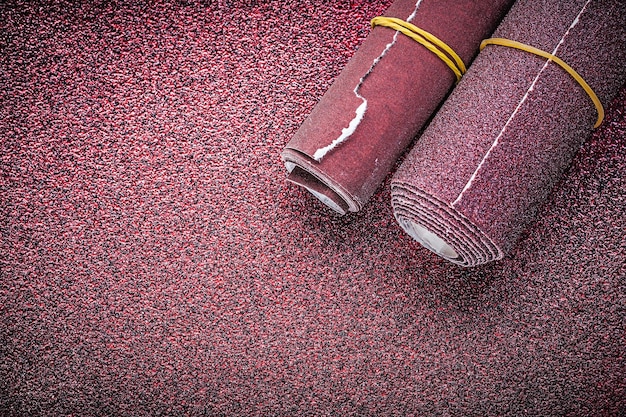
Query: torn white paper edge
point(345, 132)
point(360, 111)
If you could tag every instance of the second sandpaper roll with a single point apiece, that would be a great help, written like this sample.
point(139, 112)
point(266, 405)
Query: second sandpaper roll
point(507, 133)
point(383, 97)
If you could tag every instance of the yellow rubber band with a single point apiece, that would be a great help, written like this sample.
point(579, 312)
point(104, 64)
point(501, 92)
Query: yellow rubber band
point(431, 42)
point(556, 60)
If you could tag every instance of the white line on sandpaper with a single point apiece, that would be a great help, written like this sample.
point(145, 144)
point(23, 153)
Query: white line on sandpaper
point(519, 105)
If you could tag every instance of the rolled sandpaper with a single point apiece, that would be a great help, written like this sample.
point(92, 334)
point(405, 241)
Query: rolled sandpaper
point(505, 136)
point(383, 97)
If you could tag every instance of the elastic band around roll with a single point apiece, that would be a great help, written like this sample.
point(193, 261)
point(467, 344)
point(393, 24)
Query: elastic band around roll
point(556, 60)
point(431, 42)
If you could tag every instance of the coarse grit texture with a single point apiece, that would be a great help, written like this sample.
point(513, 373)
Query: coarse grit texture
point(154, 261)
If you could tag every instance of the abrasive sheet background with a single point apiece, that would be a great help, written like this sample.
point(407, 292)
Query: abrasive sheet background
point(154, 261)
point(401, 83)
point(507, 133)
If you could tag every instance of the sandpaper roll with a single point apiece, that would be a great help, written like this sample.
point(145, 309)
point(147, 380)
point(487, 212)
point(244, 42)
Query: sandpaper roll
point(383, 97)
point(507, 133)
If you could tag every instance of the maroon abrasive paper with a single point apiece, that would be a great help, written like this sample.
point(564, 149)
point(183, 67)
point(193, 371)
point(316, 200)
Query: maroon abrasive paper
point(510, 129)
point(152, 262)
point(382, 98)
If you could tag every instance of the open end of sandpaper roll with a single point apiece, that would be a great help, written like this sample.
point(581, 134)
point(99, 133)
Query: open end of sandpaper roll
point(428, 239)
point(317, 186)
point(440, 228)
